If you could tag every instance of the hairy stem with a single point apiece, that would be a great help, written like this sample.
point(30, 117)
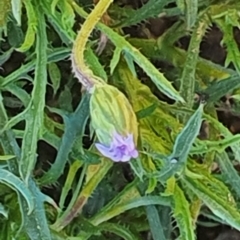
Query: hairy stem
point(81, 70)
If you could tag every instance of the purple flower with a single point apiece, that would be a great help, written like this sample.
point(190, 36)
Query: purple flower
point(121, 149)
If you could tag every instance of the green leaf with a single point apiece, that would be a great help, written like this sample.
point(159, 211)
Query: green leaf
point(66, 33)
point(17, 10)
point(149, 10)
point(87, 156)
point(130, 63)
point(187, 88)
point(137, 168)
point(155, 223)
point(55, 76)
point(5, 56)
point(68, 182)
point(65, 99)
point(53, 6)
point(32, 27)
point(115, 59)
point(94, 64)
point(119, 230)
point(182, 214)
point(3, 211)
point(155, 49)
point(35, 110)
point(230, 175)
point(67, 16)
point(74, 126)
point(93, 177)
point(233, 53)
point(16, 184)
point(182, 146)
point(146, 111)
point(6, 157)
point(5, 7)
point(20, 94)
point(54, 56)
point(127, 199)
point(63, 18)
point(36, 224)
point(216, 196)
point(190, 8)
point(158, 78)
point(220, 88)
point(134, 203)
point(218, 146)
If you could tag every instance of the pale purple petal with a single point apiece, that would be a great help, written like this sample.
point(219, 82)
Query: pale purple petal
point(117, 154)
point(104, 150)
point(101, 147)
point(116, 158)
point(125, 158)
point(109, 152)
point(134, 153)
point(121, 149)
point(129, 142)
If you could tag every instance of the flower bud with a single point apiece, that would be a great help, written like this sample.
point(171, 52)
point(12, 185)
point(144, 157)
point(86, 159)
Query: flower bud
point(114, 122)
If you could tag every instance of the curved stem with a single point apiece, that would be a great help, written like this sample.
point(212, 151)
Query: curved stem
point(81, 70)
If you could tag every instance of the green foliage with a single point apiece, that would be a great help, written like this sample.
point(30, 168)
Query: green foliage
point(151, 9)
point(47, 138)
